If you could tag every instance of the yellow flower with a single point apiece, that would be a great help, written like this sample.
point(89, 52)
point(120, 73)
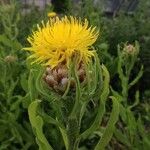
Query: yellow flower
point(51, 14)
point(59, 40)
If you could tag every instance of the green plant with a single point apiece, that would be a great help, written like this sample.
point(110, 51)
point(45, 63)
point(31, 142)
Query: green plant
point(130, 126)
point(15, 128)
point(95, 115)
point(72, 79)
point(69, 111)
point(9, 18)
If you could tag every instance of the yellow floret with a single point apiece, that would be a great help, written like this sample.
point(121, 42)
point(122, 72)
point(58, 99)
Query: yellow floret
point(59, 40)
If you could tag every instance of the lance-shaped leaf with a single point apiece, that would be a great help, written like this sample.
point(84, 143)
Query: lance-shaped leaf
point(101, 109)
point(37, 125)
point(106, 137)
point(137, 78)
point(31, 87)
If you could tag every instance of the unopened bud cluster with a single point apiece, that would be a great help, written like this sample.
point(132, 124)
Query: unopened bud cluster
point(58, 77)
point(10, 59)
point(129, 50)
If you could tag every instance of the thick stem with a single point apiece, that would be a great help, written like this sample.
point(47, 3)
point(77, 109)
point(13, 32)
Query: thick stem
point(73, 133)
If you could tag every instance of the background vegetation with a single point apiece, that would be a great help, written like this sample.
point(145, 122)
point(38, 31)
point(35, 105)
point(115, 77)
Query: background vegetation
point(116, 27)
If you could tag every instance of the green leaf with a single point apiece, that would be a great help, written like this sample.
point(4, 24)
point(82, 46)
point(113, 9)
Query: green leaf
point(78, 92)
point(106, 137)
point(123, 113)
point(5, 40)
point(137, 78)
point(51, 120)
point(105, 91)
point(3, 73)
point(5, 144)
point(37, 125)
point(16, 104)
point(119, 67)
point(12, 44)
point(143, 133)
point(101, 109)
point(39, 85)
point(121, 137)
point(136, 100)
point(131, 124)
point(10, 91)
point(72, 133)
point(31, 85)
point(24, 82)
point(26, 100)
point(65, 138)
point(116, 94)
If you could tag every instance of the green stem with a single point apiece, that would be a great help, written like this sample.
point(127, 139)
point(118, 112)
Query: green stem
point(125, 89)
point(73, 133)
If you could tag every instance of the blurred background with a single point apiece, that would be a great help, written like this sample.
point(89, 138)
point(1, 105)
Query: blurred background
point(119, 21)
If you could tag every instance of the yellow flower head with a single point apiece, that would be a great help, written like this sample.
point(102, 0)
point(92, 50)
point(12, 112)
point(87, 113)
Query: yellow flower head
point(59, 40)
point(51, 14)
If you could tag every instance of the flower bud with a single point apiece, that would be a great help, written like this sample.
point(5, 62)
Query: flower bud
point(130, 50)
point(10, 59)
point(50, 80)
point(64, 81)
point(57, 78)
point(51, 14)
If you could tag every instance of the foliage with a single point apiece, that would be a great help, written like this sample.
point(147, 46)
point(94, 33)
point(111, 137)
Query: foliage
point(131, 123)
point(21, 92)
point(15, 129)
point(70, 109)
